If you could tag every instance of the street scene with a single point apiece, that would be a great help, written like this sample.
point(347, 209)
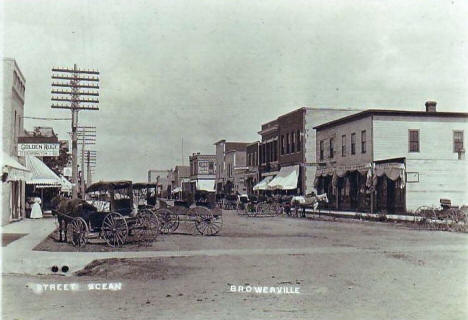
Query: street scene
point(256, 160)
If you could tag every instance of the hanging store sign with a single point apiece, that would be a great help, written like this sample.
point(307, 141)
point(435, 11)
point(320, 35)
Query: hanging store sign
point(39, 149)
point(412, 177)
point(67, 171)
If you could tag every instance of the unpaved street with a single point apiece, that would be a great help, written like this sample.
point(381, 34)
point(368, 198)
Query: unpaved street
point(344, 270)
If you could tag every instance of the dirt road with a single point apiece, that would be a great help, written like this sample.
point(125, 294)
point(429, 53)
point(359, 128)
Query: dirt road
point(342, 271)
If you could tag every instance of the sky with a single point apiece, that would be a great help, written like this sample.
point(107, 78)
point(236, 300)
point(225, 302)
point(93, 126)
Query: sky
point(207, 70)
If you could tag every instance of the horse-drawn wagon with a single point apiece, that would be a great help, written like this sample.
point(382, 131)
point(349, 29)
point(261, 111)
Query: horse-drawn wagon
point(108, 213)
point(202, 212)
point(446, 216)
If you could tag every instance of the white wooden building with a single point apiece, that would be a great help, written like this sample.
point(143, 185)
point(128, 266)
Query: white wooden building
point(427, 146)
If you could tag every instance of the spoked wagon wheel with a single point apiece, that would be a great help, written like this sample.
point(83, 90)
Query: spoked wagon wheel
point(78, 232)
point(206, 222)
point(458, 219)
point(147, 228)
point(114, 229)
point(424, 216)
point(168, 221)
point(261, 208)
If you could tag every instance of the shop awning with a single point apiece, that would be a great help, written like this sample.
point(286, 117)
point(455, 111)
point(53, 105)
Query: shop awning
point(16, 171)
point(66, 185)
point(286, 179)
point(41, 174)
point(262, 185)
point(206, 185)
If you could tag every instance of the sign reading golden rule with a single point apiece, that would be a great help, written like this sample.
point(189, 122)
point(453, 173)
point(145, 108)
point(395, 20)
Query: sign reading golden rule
point(38, 149)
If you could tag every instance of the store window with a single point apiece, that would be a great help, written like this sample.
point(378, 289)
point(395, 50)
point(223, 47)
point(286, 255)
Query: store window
point(343, 145)
point(321, 149)
point(363, 141)
point(353, 143)
point(332, 148)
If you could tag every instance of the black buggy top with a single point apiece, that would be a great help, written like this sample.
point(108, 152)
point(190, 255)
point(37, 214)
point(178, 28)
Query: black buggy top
point(145, 192)
point(111, 196)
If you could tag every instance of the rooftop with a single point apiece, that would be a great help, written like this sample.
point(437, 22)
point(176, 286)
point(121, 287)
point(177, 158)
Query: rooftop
point(386, 112)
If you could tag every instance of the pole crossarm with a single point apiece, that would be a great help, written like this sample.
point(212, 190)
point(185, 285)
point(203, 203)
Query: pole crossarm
point(96, 79)
point(75, 100)
point(79, 93)
point(75, 71)
point(60, 106)
point(79, 85)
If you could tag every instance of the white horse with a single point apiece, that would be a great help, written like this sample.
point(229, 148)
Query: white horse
point(309, 200)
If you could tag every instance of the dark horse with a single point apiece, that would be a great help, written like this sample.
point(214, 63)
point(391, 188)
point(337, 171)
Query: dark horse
point(66, 209)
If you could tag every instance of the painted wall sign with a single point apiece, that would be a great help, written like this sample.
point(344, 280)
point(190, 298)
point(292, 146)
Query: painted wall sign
point(412, 177)
point(39, 149)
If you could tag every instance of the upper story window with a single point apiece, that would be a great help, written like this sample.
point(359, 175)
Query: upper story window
point(457, 140)
point(282, 144)
point(298, 140)
point(288, 143)
point(321, 149)
point(332, 148)
point(413, 140)
point(363, 141)
point(293, 142)
point(343, 145)
point(353, 143)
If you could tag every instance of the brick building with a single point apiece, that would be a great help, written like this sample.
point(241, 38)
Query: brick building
point(14, 172)
point(287, 150)
point(202, 173)
point(403, 159)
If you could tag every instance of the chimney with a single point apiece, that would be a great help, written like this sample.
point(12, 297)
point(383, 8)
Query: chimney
point(431, 106)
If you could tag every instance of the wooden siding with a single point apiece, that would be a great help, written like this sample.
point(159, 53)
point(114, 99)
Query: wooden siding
point(346, 129)
point(435, 138)
point(437, 179)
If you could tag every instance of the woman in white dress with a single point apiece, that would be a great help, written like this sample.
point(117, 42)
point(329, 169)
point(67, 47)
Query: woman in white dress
point(36, 212)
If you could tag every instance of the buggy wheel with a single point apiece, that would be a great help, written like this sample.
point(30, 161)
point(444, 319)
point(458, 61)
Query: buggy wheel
point(207, 223)
point(78, 232)
point(168, 221)
point(147, 228)
point(114, 229)
point(425, 216)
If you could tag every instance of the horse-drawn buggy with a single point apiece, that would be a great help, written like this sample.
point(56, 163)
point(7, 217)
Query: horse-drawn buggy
point(108, 212)
point(262, 206)
point(446, 216)
point(144, 195)
point(309, 201)
point(202, 211)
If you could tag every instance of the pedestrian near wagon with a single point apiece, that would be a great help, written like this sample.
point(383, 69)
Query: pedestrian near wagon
point(36, 212)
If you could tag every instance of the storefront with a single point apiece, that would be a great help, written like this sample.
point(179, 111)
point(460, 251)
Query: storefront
point(43, 183)
point(14, 176)
point(351, 187)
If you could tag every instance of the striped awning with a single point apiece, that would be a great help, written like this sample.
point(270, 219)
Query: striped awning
point(41, 174)
point(15, 170)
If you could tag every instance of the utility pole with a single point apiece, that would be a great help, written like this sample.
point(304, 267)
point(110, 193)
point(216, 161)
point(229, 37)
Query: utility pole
point(86, 136)
point(90, 164)
point(75, 80)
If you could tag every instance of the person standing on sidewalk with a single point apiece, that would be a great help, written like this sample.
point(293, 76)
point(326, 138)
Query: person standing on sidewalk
point(36, 212)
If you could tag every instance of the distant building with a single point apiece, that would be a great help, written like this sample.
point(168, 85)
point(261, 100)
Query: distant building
point(287, 149)
point(236, 170)
point(181, 173)
point(222, 148)
point(410, 159)
point(252, 177)
point(14, 173)
point(160, 177)
point(202, 172)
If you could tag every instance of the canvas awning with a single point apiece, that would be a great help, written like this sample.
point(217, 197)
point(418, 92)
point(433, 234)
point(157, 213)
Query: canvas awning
point(206, 185)
point(262, 185)
point(16, 171)
point(41, 175)
point(66, 185)
point(286, 179)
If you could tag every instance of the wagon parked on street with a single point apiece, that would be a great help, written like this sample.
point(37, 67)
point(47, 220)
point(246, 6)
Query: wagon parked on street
point(202, 212)
point(107, 213)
